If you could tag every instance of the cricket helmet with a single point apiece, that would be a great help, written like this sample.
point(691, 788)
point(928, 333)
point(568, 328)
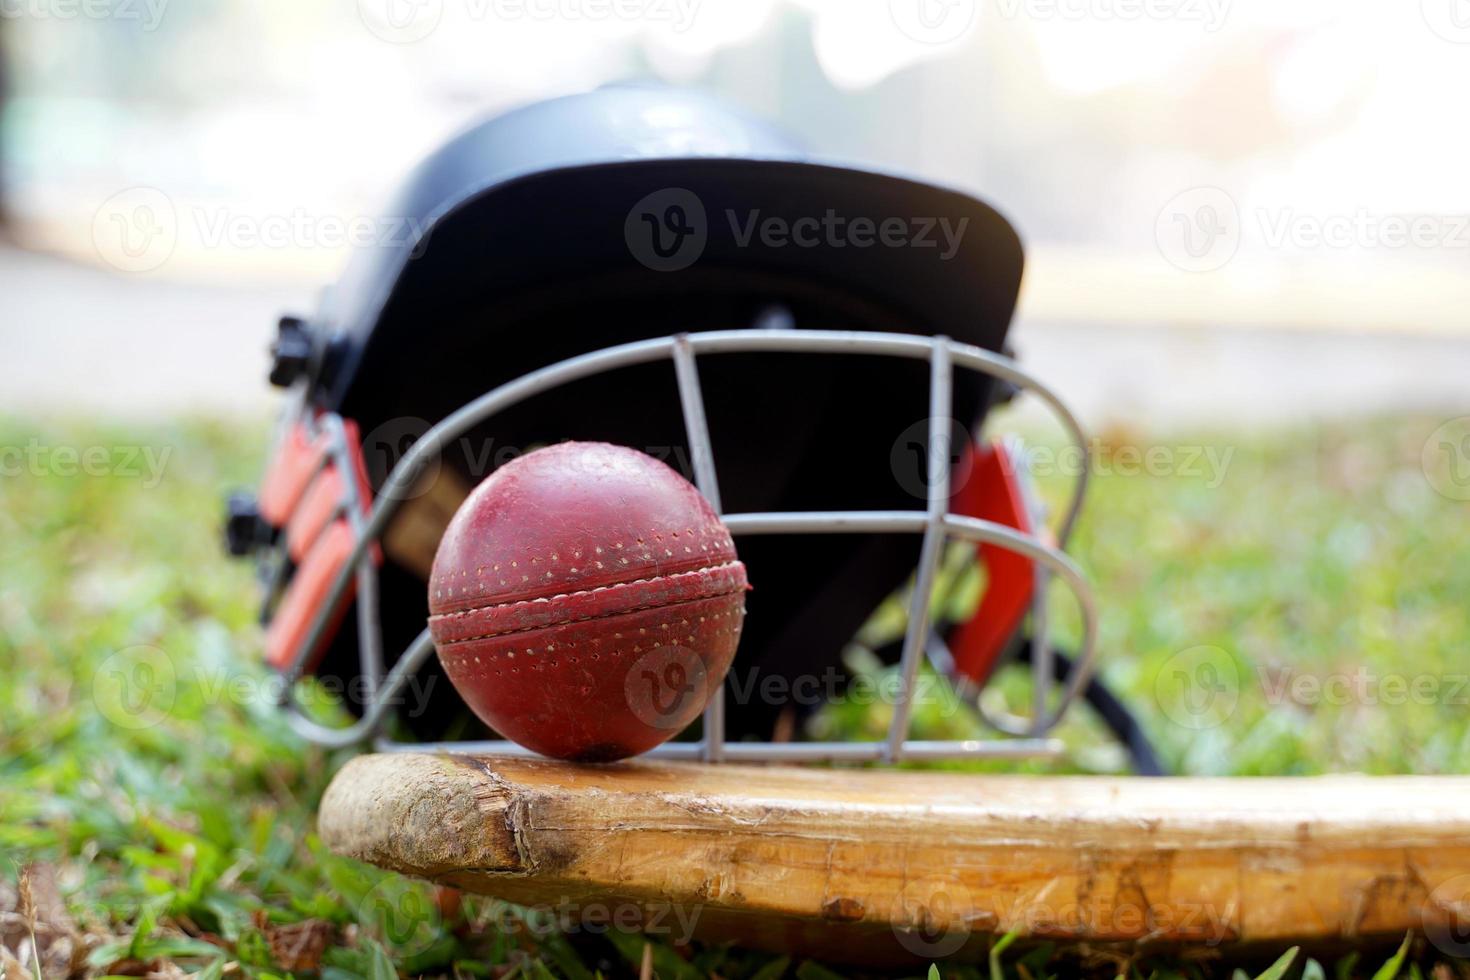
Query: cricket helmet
point(816, 344)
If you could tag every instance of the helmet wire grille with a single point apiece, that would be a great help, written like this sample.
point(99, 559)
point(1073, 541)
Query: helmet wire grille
point(937, 525)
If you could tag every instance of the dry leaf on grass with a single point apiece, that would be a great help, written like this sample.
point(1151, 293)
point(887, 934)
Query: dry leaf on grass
point(146, 969)
point(298, 946)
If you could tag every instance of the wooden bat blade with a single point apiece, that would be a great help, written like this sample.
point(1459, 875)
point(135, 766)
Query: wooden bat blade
point(876, 866)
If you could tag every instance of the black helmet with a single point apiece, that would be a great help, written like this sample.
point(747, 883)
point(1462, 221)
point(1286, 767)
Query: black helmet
point(597, 220)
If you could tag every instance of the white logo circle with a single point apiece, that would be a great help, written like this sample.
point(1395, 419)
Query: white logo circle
point(667, 230)
point(1450, 19)
point(933, 21)
point(403, 914)
point(135, 688)
point(912, 460)
point(1199, 230)
point(935, 916)
point(401, 21)
point(1198, 688)
point(136, 230)
point(386, 445)
point(1446, 459)
point(666, 688)
point(1446, 917)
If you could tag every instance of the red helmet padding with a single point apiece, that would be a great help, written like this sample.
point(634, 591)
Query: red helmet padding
point(306, 496)
point(287, 474)
point(991, 490)
point(308, 592)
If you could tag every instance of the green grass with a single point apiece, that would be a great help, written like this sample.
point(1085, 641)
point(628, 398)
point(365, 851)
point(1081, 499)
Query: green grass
point(181, 832)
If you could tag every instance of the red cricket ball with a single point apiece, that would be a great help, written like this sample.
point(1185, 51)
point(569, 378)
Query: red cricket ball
point(586, 601)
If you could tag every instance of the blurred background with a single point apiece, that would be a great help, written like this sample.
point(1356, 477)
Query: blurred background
point(1248, 231)
point(1236, 210)
point(1248, 235)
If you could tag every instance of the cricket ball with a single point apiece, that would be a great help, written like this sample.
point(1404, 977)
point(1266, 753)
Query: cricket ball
point(586, 601)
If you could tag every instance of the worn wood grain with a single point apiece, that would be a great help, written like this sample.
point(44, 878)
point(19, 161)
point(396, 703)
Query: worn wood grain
point(866, 864)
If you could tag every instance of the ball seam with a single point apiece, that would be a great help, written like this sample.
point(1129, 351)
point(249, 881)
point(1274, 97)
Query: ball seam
point(587, 619)
point(489, 606)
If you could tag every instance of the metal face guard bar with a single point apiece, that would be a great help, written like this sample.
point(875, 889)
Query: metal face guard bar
point(937, 525)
